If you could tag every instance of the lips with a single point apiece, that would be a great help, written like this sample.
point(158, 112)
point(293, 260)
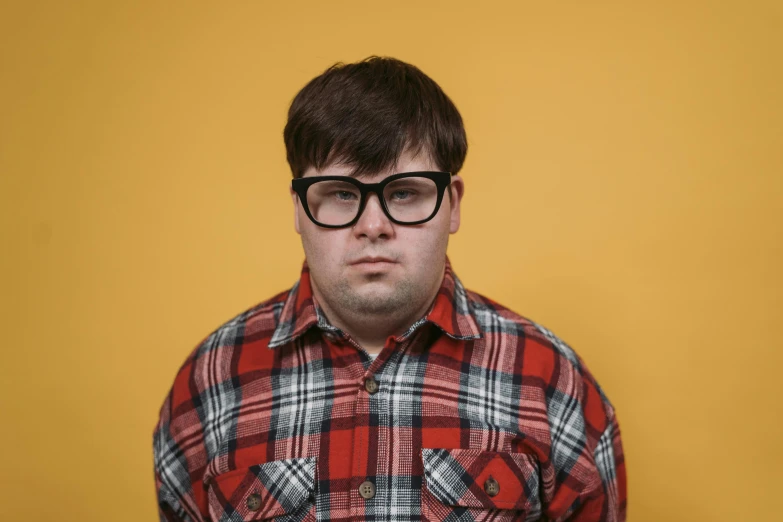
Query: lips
point(373, 260)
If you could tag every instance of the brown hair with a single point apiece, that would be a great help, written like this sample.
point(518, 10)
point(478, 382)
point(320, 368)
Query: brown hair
point(366, 114)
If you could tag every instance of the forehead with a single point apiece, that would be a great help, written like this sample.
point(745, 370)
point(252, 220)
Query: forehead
point(407, 162)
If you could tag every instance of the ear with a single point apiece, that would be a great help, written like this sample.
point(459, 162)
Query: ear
point(457, 189)
point(295, 198)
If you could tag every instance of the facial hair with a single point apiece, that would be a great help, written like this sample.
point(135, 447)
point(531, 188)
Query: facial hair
point(396, 301)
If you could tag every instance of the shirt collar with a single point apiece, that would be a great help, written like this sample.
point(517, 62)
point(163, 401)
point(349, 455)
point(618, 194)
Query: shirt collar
point(450, 311)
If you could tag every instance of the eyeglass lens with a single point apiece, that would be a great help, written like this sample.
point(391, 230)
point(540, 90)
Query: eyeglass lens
point(407, 199)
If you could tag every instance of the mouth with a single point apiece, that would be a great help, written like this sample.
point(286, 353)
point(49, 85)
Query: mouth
point(372, 260)
point(373, 264)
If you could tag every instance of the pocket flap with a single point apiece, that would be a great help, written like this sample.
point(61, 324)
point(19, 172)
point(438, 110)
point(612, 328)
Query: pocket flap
point(262, 491)
point(459, 477)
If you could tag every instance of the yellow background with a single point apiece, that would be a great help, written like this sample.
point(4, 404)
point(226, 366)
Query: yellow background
point(624, 187)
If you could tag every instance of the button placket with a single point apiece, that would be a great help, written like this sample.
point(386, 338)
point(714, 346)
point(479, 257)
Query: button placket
point(362, 488)
point(367, 404)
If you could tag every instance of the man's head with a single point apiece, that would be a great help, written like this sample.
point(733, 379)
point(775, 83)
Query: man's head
point(369, 120)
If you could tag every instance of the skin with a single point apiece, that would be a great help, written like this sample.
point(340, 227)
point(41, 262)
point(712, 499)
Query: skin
point(372, 303)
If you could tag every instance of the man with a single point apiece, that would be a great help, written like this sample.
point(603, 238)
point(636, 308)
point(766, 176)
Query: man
point(378, 387)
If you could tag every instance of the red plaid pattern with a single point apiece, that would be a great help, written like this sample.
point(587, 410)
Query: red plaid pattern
point(479, 414)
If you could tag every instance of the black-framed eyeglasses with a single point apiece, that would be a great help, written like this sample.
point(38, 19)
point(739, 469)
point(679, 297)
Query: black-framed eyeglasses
point(408, 198)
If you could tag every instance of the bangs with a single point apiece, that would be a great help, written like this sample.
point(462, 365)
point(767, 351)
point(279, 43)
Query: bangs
point(366, 115)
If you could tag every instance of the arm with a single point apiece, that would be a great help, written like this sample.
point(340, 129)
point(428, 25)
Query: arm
point(173, 482)
point(608, 501)
point(610, 461)
point(169, 507)
point(584, 470)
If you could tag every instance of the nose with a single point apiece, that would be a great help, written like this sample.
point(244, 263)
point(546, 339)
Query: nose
point(373, 223)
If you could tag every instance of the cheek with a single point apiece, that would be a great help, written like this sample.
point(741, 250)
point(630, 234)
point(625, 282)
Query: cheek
point(428, 245)
point(313, 246)
point(321, 248)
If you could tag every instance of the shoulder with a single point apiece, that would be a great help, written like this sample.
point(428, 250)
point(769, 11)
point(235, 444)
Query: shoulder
point(253, 324)
point(208, 369)
point(496, 319)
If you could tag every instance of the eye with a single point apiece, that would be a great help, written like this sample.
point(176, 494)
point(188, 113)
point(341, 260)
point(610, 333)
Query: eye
point(402, 194)
point(344, 195)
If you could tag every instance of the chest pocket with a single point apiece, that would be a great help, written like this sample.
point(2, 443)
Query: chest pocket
point(281, 488)
point(464, 484)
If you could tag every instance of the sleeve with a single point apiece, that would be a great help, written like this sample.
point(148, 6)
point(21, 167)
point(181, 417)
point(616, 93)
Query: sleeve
point(610, 461)
point(584, 472)
point(173, 485)
point(607, 501)
point(169, 508)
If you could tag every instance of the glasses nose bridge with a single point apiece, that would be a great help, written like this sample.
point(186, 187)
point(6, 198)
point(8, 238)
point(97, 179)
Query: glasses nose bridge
point(370, 189)
point(376, 189)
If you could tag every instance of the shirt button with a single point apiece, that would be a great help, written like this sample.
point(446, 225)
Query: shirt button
point(371, 385)
point(491, 486)
point(367, 490)
point(254, 502)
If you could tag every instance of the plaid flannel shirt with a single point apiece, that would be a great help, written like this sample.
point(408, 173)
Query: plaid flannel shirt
point(474, 413)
